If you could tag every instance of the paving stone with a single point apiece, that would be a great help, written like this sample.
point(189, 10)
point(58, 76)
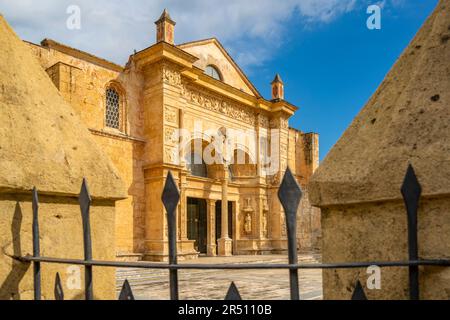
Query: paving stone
point(213, 284)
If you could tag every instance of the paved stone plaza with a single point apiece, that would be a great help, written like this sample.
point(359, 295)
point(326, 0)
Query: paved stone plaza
point(213, 284)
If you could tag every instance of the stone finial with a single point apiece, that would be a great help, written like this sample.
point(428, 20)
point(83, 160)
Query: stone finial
point(165, 28)
point(277, 88)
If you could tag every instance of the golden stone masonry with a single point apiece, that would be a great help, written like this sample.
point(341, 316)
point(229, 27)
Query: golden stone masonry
point(44, 144)
point(132, 113)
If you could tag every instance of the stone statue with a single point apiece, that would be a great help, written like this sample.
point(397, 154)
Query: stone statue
point(248, 223)
point(264, 225)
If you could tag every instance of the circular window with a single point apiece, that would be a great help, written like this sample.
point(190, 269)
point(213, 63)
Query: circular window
point(213, 72)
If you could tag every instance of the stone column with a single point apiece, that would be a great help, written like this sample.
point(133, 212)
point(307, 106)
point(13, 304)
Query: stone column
point(183, 183)
point(258, 146)
point(225, 243)
point(211, 232)
point(183, 208)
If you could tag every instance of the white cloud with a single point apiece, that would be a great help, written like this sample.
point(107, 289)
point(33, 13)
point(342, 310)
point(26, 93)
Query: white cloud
point(252, 30)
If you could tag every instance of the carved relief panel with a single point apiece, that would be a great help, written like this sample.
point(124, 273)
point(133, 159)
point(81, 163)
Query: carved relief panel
point(171, 115)
point(214, 103)
point(170, 75)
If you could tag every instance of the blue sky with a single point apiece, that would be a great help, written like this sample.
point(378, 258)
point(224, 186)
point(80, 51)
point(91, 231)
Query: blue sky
point(332, 71)
point(330, 62)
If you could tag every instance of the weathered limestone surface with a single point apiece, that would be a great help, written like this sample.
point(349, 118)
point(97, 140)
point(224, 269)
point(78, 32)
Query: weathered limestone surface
point(358, 184)
point(43, 143)
point(164, 88)
point(62, 237)
point(82, 81)
point(40, 135)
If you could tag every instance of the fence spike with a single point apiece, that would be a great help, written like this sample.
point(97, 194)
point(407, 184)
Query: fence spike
point(233, 293)
point(126, 293)
point(170, 198)
point(36, 246)
point(85, 204)
point(290, 195)
point(59, 293)
point(359, 293)
point(411, 191)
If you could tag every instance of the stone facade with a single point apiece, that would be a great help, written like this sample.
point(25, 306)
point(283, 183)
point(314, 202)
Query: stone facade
point(163, 89)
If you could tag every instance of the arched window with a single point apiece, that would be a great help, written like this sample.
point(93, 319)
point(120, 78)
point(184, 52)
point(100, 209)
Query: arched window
point(112, 115)
point(196, 165)
point(213, 72)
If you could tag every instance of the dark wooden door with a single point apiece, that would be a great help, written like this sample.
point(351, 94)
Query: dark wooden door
point(197, 223)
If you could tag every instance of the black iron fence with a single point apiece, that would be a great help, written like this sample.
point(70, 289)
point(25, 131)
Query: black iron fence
point(289, 194)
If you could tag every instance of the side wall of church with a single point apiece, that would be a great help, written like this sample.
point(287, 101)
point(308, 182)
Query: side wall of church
point(83, 85)
point(304, 160)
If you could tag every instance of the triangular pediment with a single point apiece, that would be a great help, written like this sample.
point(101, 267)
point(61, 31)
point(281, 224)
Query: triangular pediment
point(211, 52)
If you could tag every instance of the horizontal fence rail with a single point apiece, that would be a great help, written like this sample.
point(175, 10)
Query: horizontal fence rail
point(289, 194)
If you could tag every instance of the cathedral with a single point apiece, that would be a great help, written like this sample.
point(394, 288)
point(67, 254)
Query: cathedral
point(190, 109)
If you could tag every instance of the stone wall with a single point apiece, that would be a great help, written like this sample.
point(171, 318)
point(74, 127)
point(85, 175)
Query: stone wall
point(61, 236)
point(82, 81)
point(44, 144)
point(304, 161)
point(378, 232)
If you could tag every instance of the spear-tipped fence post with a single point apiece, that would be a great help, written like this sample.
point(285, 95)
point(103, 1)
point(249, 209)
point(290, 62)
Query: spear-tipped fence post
point(411, 191)
point(36, 247)
point(85, 204)
point(170, 198)
point(126, 293)
point(233, 293)
point(359, 293)
point(290, 195)
point(59, 293)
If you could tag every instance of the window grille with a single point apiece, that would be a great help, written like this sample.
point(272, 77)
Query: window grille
point(112, 109)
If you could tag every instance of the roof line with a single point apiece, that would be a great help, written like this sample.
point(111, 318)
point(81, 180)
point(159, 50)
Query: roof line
point(196, 41)
point(214, 39)
point(82, 55)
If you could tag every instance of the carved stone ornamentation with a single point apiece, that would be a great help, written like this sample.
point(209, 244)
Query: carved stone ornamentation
point(248, 212)
point(265, 222)
point(265, 229)
point(170, 115)
point(169, 136)
point(274, 180)
point(264, 121)
point(171, 76)
point(248, 223)
point(279, 123)
point(213, 103)
point(170, 155)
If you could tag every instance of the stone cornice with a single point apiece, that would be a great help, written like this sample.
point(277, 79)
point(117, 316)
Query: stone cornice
point(116, 136)
point(197, 77)
point(82, 55)
point(166, 51)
